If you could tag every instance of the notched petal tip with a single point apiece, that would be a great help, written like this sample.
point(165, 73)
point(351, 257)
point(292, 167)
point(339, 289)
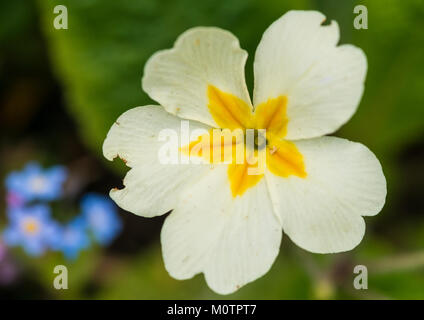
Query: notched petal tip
point(112, 192)
point(177, 78)
point(108, 151)
point(122, 158)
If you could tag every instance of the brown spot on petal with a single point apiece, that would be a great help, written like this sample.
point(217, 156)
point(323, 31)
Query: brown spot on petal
point(123, 159)
point(326, 22)
point(272, 150)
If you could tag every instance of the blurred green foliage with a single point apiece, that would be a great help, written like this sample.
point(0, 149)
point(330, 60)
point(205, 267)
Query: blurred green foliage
point(99, 62)
point(100, 58)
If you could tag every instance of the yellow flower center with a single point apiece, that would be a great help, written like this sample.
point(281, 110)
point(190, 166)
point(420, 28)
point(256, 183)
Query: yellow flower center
point(38, 184)
point(31, 226)
point(234, 117)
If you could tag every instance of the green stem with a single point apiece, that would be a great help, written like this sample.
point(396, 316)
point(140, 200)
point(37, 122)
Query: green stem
point(397, 263)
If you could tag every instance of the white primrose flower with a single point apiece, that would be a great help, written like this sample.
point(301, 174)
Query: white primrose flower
point(226, 222)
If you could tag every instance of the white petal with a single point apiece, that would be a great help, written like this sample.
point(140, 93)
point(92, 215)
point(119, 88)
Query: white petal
point(299, 57)
point(178, 78)
point(151, 188)
point(322, 213)
point(232, 242)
